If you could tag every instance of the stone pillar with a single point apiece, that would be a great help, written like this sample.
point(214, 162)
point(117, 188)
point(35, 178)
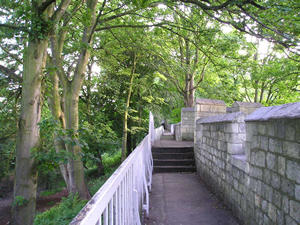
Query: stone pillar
point(187, 124)
point(245, 107)
point(208, 107)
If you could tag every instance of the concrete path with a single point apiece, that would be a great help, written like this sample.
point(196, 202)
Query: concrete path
point(181, 199)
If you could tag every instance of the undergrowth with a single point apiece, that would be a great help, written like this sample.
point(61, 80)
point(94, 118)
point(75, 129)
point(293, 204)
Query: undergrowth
point(68, 208)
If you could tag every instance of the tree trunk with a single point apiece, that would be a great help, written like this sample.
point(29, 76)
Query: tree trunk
point(129, 141)
point(124, 139)
point(100, 167)
point(28, 133)
point(75, 166)
point(58, 115)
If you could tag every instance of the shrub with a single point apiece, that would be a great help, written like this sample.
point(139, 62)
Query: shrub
point(61, 214)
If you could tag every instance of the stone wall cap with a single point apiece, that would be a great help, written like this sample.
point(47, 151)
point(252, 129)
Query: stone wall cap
point(247, 104)
point(286, 111)
point(188, 109)
point(207, 101)
point(229, 117)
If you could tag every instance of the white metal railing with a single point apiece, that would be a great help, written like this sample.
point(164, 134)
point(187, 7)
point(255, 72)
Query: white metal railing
point(126, 193)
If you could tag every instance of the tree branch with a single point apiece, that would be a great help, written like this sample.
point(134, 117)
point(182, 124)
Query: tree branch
point(10, 73)
point(45, 5)
point(127, 26)
point(14, 27)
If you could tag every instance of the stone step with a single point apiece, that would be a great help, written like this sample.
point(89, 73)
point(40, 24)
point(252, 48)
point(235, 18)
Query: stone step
point(188, 155)
point(167, 137)
point(173, 162)
point(174, 169)
point(172, 150)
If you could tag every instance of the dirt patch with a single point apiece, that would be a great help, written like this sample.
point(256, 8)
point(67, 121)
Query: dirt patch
point(43, 203)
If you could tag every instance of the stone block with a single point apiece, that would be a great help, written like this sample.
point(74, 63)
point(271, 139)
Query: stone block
point(271, 129)
point(280, 129)
point(232, 128)
point(276, 198)
point(285, 204)
point(235, 149)
point(293, 171)
point(287, 187)
point(275, 180)
point(271, 161)
point(205, 108)
point(281, 165)
point(290, 221)
point(295, 210)
point(254, 142)
point(258, 158)
point(257, 200)
point(264, 142)
point(267, 176)
point(297, 192)
point(275, 145)
point(272, 212)
point(242, 127)
point(266, 220)
point(280, 218)
point(256, 172)
point(291, 149)
point(290, 132)
point(262, 129)
point(264, 206)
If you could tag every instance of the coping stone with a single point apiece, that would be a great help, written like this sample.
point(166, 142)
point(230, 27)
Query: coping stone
point(206, 101)
point(188, 109)
point(229, 117)
point(286, 111)
point(247, 104)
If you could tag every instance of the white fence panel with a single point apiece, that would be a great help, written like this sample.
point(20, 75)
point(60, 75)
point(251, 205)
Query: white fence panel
point(126, 193)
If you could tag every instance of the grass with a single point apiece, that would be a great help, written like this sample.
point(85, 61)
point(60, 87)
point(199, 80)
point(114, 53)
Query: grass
point(68, 208)
point(51, 192)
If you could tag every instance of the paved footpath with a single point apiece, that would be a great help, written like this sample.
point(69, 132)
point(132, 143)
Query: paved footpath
point(182, 199)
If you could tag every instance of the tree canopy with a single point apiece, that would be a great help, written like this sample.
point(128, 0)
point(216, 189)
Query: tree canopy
point(78, 78)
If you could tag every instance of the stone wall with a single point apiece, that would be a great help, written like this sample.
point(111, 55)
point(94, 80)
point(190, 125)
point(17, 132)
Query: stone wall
point(253, 164)
point(177, 131)
point(187, 124)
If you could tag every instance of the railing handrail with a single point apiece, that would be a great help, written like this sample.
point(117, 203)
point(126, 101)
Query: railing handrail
point(134, 175)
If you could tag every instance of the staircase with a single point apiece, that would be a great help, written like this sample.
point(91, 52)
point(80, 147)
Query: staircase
point(173, 159)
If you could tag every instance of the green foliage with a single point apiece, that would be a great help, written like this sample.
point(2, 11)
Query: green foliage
point(61, 214)
point(111, 160)
point(19, 201)
point(50, 192)
point(175, 115)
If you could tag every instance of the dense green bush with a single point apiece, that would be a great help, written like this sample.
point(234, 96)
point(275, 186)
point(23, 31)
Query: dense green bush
point(61, 214)
point(69, 207)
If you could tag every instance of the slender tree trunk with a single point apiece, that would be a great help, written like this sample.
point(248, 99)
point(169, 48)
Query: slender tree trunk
point(28, 133)
point(100, 168)
point(58, 115)
point(129, 140)
point(124, 139)
point(75, 166)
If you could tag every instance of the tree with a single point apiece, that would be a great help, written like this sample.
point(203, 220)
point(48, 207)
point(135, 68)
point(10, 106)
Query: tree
point(38, 18)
